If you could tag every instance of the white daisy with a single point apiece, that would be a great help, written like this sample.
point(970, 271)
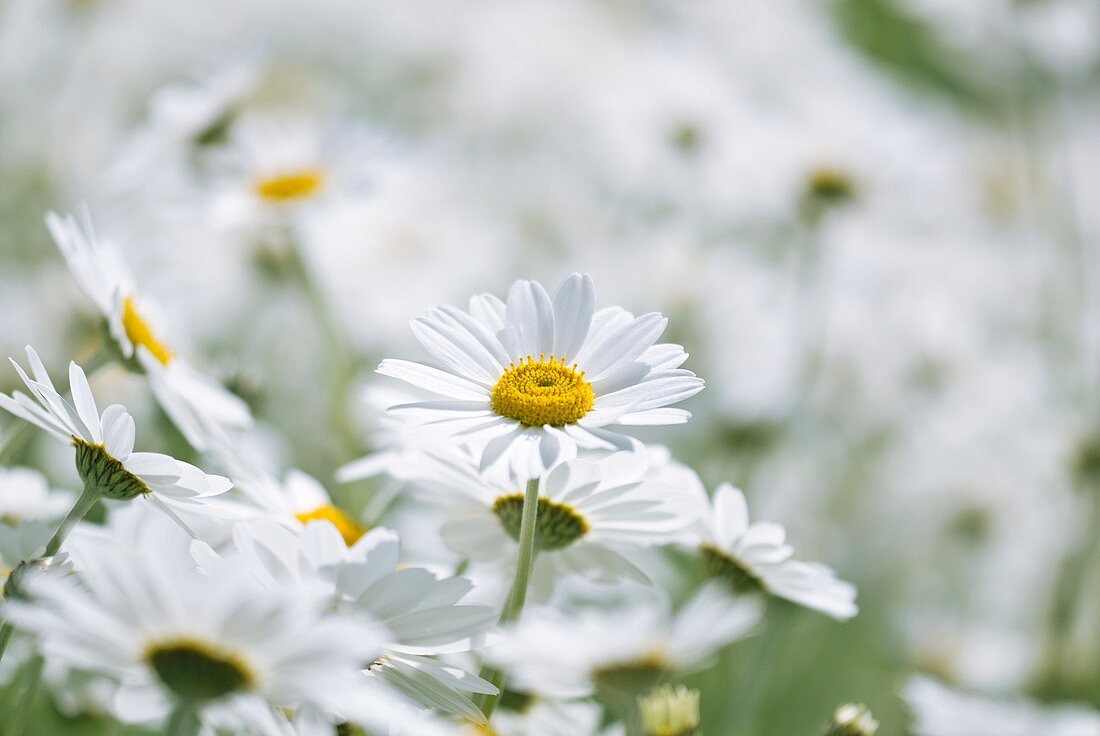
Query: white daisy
point(104, 443)
point(198, 405)
point(296, 500)
point(418, 615)
point(591, 516)
point(539, 377)
point(278, 163)
point(631, 644)
point(752, 556)
point(940, 711)
point(242, 656)
point(25, 494)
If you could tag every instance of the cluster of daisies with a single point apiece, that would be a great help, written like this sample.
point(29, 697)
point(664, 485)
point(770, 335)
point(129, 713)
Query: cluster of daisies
point(249, 602)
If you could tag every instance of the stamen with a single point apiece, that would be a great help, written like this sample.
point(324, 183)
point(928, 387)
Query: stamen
point(349, 530)
point(543, 392)
point(290, 185)
point(139, 332)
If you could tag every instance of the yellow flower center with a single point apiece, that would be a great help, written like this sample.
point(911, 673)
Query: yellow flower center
point(139, 332)
point(348, 529)
point(542, 392)
point(290, 185)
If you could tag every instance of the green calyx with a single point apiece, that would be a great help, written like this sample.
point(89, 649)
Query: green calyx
point(718, 564)
point(556, 527)
point(106, 473)
point(197, 673)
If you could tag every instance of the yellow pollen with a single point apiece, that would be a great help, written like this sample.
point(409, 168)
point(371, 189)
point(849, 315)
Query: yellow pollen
point(348, 529)
point(139, 332)
point(290, 185)
point(543, 391)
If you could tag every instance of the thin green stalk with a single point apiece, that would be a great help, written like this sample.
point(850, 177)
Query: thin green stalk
point(184, 721)
point(26, 702)
point(79, 510)
point(13, 440)
point(513, 606)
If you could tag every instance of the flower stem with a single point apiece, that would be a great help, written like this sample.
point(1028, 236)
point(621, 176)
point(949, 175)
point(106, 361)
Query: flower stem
point(183, 721)
point(513, 606)
point(83, 504)
point(80, 509)
point(23, 709)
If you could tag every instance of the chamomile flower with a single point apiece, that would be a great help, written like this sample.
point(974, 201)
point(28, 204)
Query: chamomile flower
point(536, 378)
point(243, 656)
point(418, 615)
point(277, 163)
point(630, 645)
point(104, 444)
point(25, 494)
point(591, 514)
point(297, 499)
point(198, 405)
point(755, 556)
point(940, 711)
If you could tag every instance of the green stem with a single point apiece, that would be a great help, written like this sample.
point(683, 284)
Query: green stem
point(79, 510)
point(513, 606)
point(184, 721)
point(23, 709)
point(83, 504)
point(12, 441)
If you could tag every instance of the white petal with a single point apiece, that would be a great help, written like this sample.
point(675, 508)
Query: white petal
point(574, 303)
point(118, 431)
point(529, 321)
point(433, 379)
point(84, 401)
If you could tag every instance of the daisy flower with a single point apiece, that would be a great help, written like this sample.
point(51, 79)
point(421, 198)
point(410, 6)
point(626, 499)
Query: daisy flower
point(631, 644)
point(418, 616)
point(296, 500)
point(278, 163)
point(198, 405)
point(104, 444)
point(940, 711)
point(755, 556)
point(25, 494)
point(591, 514)
point(239, 655)
point(536, 378)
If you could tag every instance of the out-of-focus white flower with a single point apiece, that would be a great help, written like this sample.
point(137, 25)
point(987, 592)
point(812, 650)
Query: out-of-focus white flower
point(418, 615)
point(940, 711)
point(542, 377)
point(753, 556)
point(199, 406)
point(566, 652)
point(275, 164)
point(591, 514)
point(26, 494)
point(239, 653)
point(105, 456)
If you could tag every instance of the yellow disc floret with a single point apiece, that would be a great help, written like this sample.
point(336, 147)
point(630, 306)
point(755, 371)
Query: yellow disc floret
point(543, 391)
point(139, 332)
point(348, 529)
point(290, 185)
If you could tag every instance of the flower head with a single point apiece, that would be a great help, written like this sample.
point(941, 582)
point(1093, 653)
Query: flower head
point(755, 556)
point(104, 444)
point(670, 711)
point(592, 514)
point(199, 406)
point(531, 380)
